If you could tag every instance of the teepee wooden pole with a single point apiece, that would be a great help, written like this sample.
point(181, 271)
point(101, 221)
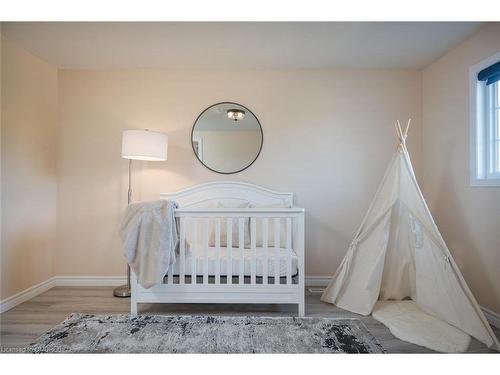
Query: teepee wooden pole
point(399, 132)
point(396, 129)
point(407, 127)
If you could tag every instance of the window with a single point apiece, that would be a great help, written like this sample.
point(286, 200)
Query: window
point(485, 122)
point(494, 115)
point(492, 133)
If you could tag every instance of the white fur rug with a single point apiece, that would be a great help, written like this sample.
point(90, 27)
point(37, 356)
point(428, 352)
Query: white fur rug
point(409, 323)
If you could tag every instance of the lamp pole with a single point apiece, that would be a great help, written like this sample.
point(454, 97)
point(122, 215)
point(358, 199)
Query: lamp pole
point(123, 291)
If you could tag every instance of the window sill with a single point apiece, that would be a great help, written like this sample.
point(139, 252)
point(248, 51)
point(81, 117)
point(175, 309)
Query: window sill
point(485, 182)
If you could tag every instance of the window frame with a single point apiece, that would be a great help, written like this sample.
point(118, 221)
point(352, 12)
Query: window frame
point(494, 128)
point(481, 156)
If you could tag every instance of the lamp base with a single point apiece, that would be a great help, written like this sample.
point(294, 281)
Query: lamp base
point(122, 292)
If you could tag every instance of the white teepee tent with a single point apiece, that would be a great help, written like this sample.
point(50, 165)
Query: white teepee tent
point(398, 253)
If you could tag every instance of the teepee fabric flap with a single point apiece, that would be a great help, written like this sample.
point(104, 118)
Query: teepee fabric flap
point(359, 291)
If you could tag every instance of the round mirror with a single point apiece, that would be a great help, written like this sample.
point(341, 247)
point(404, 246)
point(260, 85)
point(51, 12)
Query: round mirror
point(227, 138)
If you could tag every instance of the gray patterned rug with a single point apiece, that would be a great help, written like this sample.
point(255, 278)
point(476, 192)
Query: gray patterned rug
point(81, 333)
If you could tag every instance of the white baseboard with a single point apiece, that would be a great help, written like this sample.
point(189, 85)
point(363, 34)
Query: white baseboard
point(25, 295)
point(90, 280)
point(493, 317)
point(317, 281)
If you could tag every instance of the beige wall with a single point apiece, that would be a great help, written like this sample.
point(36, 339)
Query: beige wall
point(328, 137)
point(28, 153)
point(468, 217)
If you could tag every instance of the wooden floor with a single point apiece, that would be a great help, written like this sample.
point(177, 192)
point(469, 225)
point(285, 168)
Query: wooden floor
point(24, 323)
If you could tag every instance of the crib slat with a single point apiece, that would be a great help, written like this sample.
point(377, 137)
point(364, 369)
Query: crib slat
point(289, 250)
point(277, 228)
point(217, 251)
point(170, 278)
point(182, 250)
point(170, 275)
point(229, 246)
point(194, 248)
point(205, 250)
point(241, 243)
point(265, 249)
point(253, 261)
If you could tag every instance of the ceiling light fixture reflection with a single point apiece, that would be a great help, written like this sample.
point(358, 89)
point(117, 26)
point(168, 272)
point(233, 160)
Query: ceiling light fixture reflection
point(235, 114)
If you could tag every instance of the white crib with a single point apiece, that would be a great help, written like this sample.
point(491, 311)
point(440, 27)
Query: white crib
point(268, 269)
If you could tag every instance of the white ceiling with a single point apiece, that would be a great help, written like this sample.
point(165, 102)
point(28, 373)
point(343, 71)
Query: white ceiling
point(239, 45)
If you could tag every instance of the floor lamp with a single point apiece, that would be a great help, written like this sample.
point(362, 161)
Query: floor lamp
point(140, 145)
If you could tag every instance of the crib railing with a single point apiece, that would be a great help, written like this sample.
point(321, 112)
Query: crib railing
point(199, 222)
point(191, 282)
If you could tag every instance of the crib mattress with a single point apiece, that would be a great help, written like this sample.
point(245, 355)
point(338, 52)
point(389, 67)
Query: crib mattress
point(247, 256)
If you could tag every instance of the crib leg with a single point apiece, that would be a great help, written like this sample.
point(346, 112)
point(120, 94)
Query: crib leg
point(133, 308)
point(302, 309)
point(133, 294)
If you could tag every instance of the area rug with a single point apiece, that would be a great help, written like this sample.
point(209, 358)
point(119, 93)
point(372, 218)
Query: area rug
point(81, 333)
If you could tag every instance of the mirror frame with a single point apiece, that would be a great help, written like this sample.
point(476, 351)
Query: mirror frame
point(261, 142)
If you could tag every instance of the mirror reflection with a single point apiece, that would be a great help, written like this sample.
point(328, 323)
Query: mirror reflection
point(227, 137)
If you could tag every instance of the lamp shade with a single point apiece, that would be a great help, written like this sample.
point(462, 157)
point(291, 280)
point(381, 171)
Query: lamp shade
point(144, 145)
